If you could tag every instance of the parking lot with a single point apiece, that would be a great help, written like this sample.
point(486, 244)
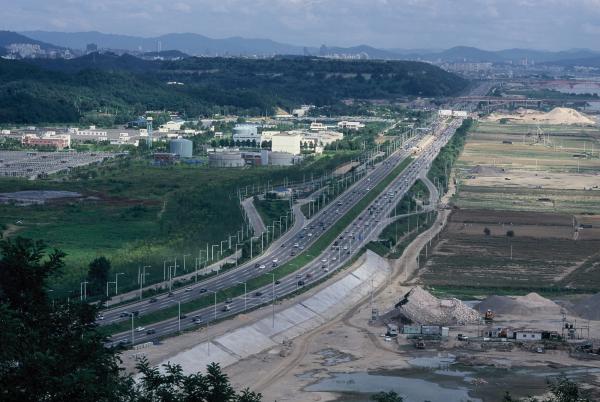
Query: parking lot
point(37, 164)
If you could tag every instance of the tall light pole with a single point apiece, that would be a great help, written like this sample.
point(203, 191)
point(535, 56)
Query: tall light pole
point(117, 282)
point(178, 314)
point(245, 294)
point(83, 290)
point(143, 279)
point(108, 283)
point(132, 330)
point(215, 309)
point(273, 297)
point(185, 255)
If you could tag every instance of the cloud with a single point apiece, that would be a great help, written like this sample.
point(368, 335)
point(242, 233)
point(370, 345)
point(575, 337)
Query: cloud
point(491, 24)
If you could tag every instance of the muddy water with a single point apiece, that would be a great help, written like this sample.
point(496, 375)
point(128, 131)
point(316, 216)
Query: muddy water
point(439, 378)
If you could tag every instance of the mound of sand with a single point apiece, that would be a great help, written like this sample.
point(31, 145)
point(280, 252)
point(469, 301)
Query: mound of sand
point(530, 304)
point(588, 308)
point(559, 115)
point(422, 307)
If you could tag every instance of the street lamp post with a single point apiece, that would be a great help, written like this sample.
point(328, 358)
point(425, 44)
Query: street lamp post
point(273, 297)
point(108, 283)
point(83, 290)
point(117, 282)
point(215, 303)
point(185, 255)
point(245, 294)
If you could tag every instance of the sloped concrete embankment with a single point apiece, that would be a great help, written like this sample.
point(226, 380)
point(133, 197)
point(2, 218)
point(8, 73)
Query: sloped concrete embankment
point(294, 321)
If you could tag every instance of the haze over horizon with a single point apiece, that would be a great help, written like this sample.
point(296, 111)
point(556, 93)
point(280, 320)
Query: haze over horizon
point(401, 24)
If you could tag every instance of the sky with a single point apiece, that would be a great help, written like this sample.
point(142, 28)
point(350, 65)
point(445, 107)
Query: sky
point(405, 24)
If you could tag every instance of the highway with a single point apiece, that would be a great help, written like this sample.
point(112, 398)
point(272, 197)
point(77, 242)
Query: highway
point(363, 228)
point(323, 219)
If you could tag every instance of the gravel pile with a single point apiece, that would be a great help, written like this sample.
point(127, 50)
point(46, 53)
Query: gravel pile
point(588, 308)
point(530, 304)
point(422, 307)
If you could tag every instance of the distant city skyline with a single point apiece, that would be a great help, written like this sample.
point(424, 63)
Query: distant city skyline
point(405, 24)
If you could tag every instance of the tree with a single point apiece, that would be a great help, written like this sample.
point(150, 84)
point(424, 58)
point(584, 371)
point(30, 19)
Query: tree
point(487, 231)
point(98, 271)
point(50, 352)
point(389, 396)
point(173, 385)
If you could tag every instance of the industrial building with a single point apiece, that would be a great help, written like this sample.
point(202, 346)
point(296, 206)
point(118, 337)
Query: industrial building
point(246, 132)
point(49, 139)
point(181, 147)
point(350, 125)
point(287, 142)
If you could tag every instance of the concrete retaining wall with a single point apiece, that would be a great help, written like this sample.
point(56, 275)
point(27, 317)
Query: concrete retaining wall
point(294, 321)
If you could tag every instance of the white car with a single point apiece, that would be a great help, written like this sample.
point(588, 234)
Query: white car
point(140, 329)
point(262, 266)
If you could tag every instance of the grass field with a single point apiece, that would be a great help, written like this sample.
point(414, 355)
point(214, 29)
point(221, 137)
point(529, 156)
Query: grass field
point(510, 179)
point(510, 167)
point(136, 214)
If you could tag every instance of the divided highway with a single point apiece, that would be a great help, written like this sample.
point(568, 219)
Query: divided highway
point(362, 230)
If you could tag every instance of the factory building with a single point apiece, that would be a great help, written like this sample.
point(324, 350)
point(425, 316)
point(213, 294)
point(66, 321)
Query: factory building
point(172, 125)
point(246, 132)
point(287, 142)
point(181, 147)
point(350, 125)
point(60, 141)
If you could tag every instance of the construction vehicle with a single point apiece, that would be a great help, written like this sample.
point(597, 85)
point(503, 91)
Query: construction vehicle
point(489, 315)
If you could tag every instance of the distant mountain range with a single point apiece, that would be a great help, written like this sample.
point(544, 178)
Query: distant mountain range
point(195, 44)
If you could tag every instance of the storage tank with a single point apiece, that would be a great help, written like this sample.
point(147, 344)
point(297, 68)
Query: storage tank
point(281, 159)
point(226, 159)
point(181, 147)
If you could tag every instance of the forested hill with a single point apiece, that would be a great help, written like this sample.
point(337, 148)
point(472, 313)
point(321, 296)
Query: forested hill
point(119, 88)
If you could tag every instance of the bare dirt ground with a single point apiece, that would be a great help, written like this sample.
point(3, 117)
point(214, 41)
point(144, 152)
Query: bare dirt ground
point(558, 116)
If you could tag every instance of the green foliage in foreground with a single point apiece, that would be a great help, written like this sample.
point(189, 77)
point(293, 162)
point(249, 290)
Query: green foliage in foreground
point(53, 352)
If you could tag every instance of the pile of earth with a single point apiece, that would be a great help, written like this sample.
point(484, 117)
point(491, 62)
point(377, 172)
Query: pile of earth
point(588, 308)
point(559, 115)
point(486, 170)
point(420, 306)
point(531, 304)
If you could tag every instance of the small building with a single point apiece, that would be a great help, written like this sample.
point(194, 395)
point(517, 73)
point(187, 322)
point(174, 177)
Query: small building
point(246, 132)
point(165, 158)
point(527, 335)
point(350, 125)
point(411, 329)
point(316, 126)
point(281, 192)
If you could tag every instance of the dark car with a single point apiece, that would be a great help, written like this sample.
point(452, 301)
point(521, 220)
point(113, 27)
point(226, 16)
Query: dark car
point(153, 300)
point(170, 294)
point(277, 282)
point(203, 290)
point(124, 314)
point(182, 316)
point(300, 283)
point(151, 332)
point(258, 294)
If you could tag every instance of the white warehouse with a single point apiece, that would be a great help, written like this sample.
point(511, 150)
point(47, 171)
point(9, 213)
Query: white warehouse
point(287, 142)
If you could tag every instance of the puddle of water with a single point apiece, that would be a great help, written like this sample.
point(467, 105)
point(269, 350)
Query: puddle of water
point(411, 389)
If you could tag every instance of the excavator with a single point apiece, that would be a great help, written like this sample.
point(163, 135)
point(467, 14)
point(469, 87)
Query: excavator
point(489, 315)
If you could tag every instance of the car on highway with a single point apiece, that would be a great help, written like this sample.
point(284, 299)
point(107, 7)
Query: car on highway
point(151, 332)
point(197, 320)
point(258, 294)
point(300, 283)
point(262, 266)
point(226, 307)
point(153, 300)
point(140, 329)
point(182, 316)
point(188, 289)
point(203, 290)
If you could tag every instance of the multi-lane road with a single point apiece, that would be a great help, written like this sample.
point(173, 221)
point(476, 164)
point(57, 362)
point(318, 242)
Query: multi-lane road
point(367, 225)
